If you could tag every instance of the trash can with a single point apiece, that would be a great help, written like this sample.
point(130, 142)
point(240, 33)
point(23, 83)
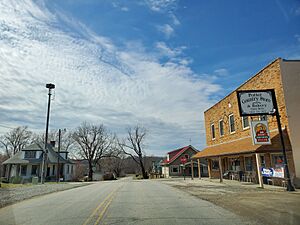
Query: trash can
point(35, 180)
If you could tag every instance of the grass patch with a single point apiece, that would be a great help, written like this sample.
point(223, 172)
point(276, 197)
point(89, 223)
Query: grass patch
point(10, 185)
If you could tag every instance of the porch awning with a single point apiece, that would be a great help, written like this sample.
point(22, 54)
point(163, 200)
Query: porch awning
point(244, 146)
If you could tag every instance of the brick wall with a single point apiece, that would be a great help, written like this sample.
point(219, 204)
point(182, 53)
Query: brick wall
point(268, 78)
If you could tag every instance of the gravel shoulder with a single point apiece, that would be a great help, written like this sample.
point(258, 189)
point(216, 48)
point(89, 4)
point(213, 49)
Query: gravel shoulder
point(9, 196)
point(269, 206)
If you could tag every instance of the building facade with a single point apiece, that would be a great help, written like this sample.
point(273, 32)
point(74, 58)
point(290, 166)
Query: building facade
point(27, 163)
point(173, 165)
point(230, 151)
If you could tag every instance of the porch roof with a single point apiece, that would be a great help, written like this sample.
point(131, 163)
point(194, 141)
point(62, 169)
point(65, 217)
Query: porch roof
point(244, 146)
point(17, 159)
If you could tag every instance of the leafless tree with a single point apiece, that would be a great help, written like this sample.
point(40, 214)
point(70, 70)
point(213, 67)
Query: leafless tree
point(93, 144)
point(114, 164)
point(66, 139)
point(133, 146)
point(14, 140)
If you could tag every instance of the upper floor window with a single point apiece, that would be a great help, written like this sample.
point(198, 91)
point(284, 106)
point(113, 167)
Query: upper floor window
point(263, 117)
point(245, 122)
point(186, 156)
point(221, 127)
point(213, 135)
point(231, 123)
point(30, 154)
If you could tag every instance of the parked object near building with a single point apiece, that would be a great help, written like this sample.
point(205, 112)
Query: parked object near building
point(178, 163)
point(27, 164)
point(230, 150)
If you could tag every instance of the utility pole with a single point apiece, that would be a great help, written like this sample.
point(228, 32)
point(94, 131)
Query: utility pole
point(290, 186)
point(50, 87)
point(58, 156)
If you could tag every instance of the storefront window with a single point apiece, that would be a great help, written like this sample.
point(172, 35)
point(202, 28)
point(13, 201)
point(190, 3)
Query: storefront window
point(215, 164)
point(262, 161)
point(235, 164)
point(277, 160)
point(248, 162)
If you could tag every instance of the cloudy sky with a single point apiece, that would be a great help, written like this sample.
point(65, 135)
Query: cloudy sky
point(156, 63)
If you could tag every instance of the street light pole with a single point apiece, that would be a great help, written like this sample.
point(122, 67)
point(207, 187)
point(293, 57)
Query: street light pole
point(50, 87)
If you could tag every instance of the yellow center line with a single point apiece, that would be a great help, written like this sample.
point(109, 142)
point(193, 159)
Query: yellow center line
point(104, 209)
point(99, 206)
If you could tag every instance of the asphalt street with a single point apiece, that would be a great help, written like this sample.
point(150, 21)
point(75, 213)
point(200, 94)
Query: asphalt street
point(125, 201)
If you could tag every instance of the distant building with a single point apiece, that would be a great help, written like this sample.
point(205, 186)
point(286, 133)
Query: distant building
point(27, 163)
point(172, 166)
point(228, 136)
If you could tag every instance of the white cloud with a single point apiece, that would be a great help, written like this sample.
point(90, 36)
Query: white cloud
point(95, 80)
point(175, 20)
point(297, 36)
point(166, 51)
point(161, 5)
point(166, 29)
point(221, 72)
point(297, 11)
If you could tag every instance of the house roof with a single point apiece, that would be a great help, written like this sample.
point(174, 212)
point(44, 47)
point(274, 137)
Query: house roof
point(33, 147)
point(52, 156)
point(178, 152)
point(244, 146)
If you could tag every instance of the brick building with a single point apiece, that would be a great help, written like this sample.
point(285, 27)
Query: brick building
point(230, 150)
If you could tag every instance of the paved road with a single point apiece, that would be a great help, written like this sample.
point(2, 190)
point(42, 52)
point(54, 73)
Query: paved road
point(124, 201)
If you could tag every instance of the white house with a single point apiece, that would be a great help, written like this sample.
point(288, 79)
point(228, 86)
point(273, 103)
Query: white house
point(28, 163)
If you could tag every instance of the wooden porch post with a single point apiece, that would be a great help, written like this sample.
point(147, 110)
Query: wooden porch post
point(192, 168)
point(258, 163)
point(209, 168)
point(199, 169)
point(221, 169)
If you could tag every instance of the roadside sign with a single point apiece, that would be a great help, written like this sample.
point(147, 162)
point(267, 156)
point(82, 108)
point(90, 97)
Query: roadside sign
point(260, 133)
point(256, 102)
point(267, 172)
point(183, 160)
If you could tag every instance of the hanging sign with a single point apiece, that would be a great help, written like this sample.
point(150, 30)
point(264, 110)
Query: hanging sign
point(256, 102)
point(260, 133)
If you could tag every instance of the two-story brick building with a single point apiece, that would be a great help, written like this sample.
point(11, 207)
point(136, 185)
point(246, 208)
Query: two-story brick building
point(230, 151)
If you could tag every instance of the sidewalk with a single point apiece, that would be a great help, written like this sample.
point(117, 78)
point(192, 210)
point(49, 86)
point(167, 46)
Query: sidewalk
point(271, 205)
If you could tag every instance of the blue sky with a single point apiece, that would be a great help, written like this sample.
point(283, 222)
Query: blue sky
point(157, 63)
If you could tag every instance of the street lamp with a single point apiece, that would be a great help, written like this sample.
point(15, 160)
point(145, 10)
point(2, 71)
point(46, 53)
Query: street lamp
point(50, 87)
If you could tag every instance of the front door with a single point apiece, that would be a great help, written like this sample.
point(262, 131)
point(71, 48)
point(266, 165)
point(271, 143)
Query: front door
point(48, 171)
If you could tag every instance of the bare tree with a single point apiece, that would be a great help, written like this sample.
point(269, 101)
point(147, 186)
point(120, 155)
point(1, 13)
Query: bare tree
point(93, 144)
point(66, 139)
point(15, 140)
point(114, 164)
point(133, 146)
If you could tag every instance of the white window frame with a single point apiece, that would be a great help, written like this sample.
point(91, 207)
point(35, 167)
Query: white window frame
point(231, 132)
point(245, 128)
point(211, 131)
point(221, 135)
point(174, 166)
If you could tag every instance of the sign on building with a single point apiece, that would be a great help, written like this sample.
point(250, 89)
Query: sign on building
point(256, 102)
point(260, 133)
